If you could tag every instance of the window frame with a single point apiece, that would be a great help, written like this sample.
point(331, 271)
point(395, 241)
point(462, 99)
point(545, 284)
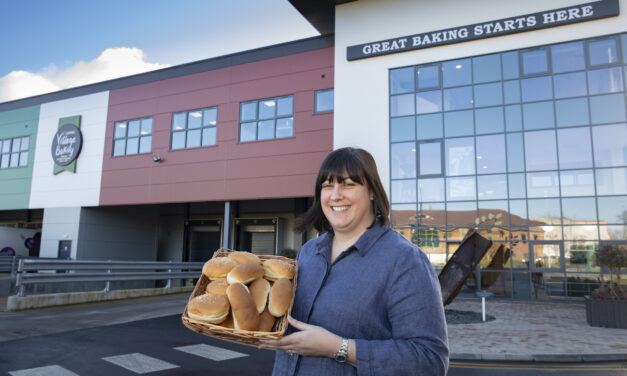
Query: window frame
point(316, 111)
point(419, 174)
point(549, 62)
point(186, 129)
point(256, 120)
point(126, 138)
point(11, 153)
point(586, 50)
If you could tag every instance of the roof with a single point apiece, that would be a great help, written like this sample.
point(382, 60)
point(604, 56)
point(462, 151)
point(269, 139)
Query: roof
point(238, 58)
point(320, 14)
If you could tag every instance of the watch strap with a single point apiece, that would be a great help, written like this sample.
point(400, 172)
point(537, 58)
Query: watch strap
point(342, 354)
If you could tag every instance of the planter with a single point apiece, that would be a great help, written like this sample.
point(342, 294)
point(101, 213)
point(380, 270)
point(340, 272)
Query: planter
point(606, 313)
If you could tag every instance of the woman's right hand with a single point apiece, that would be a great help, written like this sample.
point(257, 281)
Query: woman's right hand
point(310, 340)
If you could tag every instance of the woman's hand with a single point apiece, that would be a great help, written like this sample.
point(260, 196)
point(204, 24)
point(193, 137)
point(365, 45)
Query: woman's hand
point(310, 340)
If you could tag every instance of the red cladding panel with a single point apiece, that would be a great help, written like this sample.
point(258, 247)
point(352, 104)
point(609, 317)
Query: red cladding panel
point(229, 170)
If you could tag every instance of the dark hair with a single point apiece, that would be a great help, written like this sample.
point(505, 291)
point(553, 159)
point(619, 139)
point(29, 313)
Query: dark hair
point(360, 166)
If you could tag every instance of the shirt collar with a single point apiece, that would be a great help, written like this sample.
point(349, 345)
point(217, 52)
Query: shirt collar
point(363, 244)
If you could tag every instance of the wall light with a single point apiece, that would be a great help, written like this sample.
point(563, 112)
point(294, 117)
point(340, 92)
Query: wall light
point(156, 158)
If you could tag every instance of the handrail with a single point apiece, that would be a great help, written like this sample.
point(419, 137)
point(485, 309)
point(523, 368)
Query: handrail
point(6, 264)
point(37, 271)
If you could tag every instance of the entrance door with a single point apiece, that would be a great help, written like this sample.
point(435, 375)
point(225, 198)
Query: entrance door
point(546, 266)
point(204, 238)
point(256, 235)
point(546, 256)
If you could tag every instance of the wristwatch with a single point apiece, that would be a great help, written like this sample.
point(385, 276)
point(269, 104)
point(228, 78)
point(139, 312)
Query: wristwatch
point(342, 354)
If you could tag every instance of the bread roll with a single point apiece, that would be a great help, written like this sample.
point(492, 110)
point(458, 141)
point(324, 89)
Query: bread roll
point(211, 308)
point(243, 257)
point(266, 321)
point(259, 290)
point(245, 315)
point(217, 287)
point(228, 323)
point(245, 273)
point(275, 269)
point(280, 297)
point(218, 267)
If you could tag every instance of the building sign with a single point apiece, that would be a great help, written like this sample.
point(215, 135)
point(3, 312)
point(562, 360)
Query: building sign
point(67, 144)
point(518, 24)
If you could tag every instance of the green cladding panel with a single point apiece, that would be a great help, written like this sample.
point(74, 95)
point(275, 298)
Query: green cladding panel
point(15, 182)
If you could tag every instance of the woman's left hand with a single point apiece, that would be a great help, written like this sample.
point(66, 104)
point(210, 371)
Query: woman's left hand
point(310, 340)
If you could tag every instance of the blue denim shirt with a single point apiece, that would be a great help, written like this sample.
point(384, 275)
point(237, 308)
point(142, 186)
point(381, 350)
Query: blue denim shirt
point(383, 293)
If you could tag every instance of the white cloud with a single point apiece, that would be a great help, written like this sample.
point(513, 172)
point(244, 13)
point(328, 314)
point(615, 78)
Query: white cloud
point(112, 63)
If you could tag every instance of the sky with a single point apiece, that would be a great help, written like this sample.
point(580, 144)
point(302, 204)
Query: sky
point(50, 45)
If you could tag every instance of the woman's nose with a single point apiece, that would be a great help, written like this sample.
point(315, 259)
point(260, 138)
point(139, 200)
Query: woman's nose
point(336, 193)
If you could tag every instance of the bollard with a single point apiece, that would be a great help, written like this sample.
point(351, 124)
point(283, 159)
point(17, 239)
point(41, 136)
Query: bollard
point(169, 284)
point(108, 284)
point(18, 281)
point(483, 294)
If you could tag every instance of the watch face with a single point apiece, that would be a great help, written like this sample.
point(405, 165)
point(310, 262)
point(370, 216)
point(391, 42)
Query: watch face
point(340, 358)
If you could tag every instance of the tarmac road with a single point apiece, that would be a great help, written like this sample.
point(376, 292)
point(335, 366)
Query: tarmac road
point(163, 346)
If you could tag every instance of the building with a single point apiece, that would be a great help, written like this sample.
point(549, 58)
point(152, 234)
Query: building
point(168, 169)
point(509, 117)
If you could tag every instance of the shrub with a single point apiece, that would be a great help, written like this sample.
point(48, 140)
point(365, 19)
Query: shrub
point(611, 291)
point(288, 252)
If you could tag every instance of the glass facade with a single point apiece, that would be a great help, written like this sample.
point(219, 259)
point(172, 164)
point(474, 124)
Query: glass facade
point(528, 146)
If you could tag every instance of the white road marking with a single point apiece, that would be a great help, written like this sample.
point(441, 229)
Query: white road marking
point(139, 363)
point(210, 352)
point(53, 370)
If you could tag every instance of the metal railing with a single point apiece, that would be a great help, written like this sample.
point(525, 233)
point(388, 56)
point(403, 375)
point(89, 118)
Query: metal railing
point(38, 271)
point(8, 264)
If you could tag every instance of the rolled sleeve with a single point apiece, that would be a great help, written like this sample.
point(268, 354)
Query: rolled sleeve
point(416, 316)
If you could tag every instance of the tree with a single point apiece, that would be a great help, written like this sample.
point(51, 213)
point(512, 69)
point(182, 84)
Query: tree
point(614, 257)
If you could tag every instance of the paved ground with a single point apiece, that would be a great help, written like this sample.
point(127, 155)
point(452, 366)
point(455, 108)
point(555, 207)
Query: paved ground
point(42, 321)
point(534, 331)
point(525, 331)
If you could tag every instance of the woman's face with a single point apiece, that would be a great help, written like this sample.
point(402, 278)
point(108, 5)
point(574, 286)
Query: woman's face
point(347, 205)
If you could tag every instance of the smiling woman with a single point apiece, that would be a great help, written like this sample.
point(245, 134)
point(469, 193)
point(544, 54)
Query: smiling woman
point(367, 298)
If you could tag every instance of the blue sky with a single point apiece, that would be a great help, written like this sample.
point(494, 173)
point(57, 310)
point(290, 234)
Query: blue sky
point(47, 45)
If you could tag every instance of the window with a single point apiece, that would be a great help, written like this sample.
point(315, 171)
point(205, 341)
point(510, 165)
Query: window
point(267, 119)
point(602, 52)
point(430, 157)
point(534, 61)
point(324, 101)
point(193, 129)
point(14, 152)
point(428, 238)
point(132, 137)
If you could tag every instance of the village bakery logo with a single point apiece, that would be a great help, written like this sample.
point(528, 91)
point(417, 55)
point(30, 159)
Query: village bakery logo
point(66, 144)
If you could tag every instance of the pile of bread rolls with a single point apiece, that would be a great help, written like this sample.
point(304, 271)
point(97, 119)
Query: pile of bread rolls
point(244, 293)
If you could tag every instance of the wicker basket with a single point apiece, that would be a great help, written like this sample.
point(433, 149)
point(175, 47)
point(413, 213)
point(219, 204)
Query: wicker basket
point(243, 337)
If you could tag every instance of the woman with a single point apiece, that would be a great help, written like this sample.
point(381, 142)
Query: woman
point(368, 301)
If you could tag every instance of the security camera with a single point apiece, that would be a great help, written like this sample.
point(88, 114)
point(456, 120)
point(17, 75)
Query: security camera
point(156, 158)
